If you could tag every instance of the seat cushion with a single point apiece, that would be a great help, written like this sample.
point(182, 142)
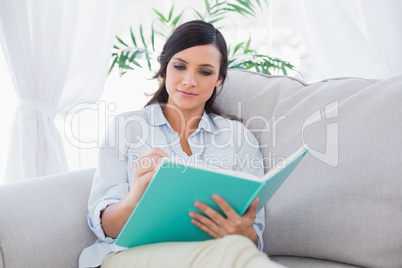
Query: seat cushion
point(298, 262)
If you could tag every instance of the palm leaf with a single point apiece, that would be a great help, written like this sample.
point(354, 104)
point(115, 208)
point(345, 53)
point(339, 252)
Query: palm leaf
point(198, 14)
point(170, 13)
point(207, 6)
point(237, 47)
point(142, 37)
point(153, 37)
point(133, 37)
point(240, 10)
point(121, 41)
point(176, 20)
point(161, 17)
point(248, 5)
point(113, 64)
point(216, 20)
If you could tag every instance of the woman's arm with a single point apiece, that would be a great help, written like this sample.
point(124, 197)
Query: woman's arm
point(116, 215)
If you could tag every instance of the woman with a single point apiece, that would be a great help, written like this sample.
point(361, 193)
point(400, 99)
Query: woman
point(179, 122)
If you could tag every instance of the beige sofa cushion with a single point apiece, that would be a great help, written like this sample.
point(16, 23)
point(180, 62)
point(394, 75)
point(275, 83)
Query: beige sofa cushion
point(344, 201)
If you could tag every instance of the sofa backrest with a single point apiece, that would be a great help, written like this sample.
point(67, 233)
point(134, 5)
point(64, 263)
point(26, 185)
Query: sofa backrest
point(344, 201)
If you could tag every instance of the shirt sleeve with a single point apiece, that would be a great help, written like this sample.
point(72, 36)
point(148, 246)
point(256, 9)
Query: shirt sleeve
point(250, 160)
point(110, 182)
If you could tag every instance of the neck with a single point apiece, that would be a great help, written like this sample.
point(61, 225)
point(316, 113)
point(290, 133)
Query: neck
point(183, 122)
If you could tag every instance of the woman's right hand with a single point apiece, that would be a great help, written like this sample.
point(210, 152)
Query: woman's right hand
point(144, 169)
point(116, 215)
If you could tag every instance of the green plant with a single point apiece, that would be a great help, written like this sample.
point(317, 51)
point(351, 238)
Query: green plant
point(242, 57)
point(245, 58)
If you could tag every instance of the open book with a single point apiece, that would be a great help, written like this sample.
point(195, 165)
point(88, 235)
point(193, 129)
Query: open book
point(162, 212)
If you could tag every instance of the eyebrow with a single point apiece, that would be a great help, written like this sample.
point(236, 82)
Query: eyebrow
point(206, 65)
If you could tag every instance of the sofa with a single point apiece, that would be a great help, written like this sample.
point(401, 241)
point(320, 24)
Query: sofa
point(341, 207)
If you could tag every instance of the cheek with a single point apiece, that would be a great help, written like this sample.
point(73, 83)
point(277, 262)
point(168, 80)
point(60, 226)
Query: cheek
point(169, 80)
point(209, 89)
point(209, 84)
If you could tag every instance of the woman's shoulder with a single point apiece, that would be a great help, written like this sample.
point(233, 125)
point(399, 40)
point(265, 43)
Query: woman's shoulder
point(143, 112)
point(132, 123)
point(234, 130)
point(224, 122)
point(147, 114)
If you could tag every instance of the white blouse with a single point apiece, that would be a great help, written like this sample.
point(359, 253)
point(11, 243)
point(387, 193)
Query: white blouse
point(217, 143)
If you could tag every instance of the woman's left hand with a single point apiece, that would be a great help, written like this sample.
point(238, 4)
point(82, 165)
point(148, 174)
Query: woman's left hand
point(218, 226)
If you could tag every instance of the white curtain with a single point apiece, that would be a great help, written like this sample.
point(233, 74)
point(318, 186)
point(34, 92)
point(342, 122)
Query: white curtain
point(361, 38)
point(58, 54)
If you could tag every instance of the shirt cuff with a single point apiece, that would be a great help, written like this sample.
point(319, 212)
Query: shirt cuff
point(95, 223)
point(260, 242)
point(259, 226)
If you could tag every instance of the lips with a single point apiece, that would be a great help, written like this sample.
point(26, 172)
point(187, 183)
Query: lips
point(187, 93)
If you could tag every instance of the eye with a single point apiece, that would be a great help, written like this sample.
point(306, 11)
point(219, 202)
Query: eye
point(205, 72)
point(179, 66)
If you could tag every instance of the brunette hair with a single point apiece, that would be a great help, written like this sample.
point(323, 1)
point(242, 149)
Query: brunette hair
point(190, 34)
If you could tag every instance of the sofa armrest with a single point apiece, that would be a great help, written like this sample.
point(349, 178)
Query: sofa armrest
point(43, 221)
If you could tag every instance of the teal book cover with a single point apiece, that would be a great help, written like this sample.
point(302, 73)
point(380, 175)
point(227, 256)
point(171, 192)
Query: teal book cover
point(162, 214)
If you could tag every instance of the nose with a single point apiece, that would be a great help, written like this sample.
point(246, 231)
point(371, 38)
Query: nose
point(189, 80)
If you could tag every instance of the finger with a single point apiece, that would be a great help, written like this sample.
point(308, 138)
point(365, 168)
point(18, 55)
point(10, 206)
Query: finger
point(138, 187)
point(155, 152)
point(205, 224)
point(251, 212)
point(146, 178)
point(146, 163)
point(205, 229)
point(212, 216)
point(226, 208)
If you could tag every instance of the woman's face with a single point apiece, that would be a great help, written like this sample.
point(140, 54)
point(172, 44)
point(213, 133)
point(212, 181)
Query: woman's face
point(191, 76)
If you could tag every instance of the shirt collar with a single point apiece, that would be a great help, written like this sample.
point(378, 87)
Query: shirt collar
point(157, 118)
point(155, 115)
